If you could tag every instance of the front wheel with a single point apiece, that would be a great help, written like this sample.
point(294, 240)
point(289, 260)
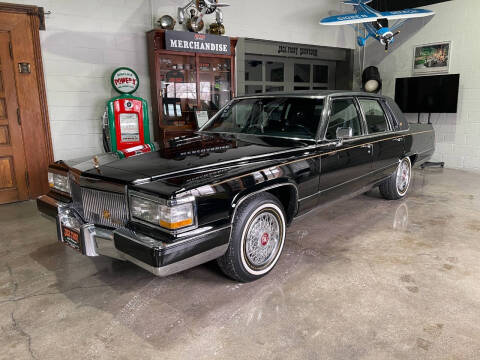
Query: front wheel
point(397, 185)
point(258, 235)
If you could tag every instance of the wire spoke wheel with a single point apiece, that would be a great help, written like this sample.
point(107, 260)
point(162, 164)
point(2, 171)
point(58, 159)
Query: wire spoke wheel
point(256, 240)
point(262, 240)
point(404, 173)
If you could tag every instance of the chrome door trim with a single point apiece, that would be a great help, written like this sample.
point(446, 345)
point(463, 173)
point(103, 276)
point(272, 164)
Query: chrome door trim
point(346, 182)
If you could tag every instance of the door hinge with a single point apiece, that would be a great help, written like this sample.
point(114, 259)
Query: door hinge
point(10, 48)
point(27, 179)
point(19, 117)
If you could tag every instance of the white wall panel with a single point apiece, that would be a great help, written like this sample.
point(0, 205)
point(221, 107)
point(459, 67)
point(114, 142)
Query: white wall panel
point(458, 135)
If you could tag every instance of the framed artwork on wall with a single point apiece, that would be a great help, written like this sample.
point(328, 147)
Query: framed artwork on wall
point(432, 58)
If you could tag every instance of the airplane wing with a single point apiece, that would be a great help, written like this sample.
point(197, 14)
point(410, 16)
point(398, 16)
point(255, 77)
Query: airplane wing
point(406, 14)
point(397, 24)
point(347, 19)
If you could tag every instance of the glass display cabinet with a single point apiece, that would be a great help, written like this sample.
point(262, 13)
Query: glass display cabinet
point(184, 83)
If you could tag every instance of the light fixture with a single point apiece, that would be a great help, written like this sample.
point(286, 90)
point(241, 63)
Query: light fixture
point(371, 81)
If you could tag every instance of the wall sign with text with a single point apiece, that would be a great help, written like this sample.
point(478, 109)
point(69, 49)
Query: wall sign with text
point(125, 80)
point(200, 43)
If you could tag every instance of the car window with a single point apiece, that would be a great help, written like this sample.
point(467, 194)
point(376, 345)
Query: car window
point(275, 116)
point(343, 114)
point(374, 116)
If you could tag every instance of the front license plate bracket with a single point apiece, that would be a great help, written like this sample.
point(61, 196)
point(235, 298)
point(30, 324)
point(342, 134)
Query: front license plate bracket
point(71, 237)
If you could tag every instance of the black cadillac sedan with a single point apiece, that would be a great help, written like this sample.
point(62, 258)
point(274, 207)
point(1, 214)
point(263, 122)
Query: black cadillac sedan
point(230, 191)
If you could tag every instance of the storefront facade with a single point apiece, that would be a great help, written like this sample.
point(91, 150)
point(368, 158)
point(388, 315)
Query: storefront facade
point(270, 66)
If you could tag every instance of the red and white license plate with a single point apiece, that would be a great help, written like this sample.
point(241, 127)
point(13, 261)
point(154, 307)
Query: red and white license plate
point(71, 237)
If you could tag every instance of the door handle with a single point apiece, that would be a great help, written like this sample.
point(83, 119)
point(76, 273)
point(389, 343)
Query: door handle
point(398, 139)
point(367, 146)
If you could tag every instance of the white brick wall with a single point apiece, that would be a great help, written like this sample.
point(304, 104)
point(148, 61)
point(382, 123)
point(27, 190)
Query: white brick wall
point(458, 135)
point(86, 40)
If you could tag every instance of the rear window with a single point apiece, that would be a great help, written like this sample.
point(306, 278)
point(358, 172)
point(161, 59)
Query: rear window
point(374, 116)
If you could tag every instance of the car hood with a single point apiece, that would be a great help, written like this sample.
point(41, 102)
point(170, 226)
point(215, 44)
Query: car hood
point(203, 156)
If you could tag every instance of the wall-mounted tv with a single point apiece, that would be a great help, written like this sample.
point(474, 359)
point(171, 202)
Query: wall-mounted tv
point(427, 94)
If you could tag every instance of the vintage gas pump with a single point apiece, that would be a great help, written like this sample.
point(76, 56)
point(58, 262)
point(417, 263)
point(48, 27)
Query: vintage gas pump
point(125, 122)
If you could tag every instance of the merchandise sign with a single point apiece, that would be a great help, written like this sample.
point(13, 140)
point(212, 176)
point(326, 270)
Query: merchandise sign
point(125, 80)
point(200, 43)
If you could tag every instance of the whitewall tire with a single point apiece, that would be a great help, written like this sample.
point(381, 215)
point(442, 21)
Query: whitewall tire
point(257, 238)
point(397, 185)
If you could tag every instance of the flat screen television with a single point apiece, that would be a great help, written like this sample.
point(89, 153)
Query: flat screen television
point(427, 94)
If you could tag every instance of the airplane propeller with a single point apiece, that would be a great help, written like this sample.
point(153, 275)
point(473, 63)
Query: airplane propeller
point(389, 38)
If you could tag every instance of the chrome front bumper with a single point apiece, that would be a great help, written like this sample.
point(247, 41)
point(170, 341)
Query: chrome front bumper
point(157, 257)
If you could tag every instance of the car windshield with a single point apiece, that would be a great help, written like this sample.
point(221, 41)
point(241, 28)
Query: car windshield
point(292, 117)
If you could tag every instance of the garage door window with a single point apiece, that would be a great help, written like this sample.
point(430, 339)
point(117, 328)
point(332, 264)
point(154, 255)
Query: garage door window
point(374, 116)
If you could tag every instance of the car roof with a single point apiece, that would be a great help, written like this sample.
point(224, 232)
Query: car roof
point(311, 93)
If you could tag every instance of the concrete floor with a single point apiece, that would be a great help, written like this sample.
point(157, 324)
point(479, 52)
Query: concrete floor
point(365, 279)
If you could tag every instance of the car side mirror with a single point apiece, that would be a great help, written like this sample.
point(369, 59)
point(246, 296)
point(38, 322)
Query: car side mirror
point(343, 133)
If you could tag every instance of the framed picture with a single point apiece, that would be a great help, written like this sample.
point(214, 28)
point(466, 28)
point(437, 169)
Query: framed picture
point(432, 58)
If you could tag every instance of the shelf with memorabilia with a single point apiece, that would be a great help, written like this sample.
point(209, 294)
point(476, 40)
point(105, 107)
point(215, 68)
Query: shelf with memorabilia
point(184, 83)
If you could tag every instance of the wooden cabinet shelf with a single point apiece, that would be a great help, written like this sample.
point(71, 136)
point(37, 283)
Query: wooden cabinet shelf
point(178, 92)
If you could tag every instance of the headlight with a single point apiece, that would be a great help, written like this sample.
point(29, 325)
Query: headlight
point(58, 182)
point(171, 215)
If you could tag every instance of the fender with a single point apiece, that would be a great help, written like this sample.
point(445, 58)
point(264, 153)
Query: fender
point(247, 193)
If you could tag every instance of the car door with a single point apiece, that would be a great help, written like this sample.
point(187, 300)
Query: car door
point(347, 162)
point(388, 146)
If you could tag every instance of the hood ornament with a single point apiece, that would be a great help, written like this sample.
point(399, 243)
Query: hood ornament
point(96, 163)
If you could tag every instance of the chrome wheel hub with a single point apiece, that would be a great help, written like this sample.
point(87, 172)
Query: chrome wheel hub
point(262, 239)
point(403, 176)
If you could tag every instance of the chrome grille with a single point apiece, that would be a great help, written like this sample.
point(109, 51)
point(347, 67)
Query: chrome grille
point(104, 208)
point(76, 192)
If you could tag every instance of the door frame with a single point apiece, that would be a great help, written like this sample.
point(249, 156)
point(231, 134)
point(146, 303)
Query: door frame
point(30, 112)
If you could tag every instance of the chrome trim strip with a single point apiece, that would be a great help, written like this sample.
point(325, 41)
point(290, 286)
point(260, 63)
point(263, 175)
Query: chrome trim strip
point(182, 264)
point(101, 185)
point(146, 240)
point(198, 235)
point(87, 236)
point(261, 135)
point(346, 182)
point(246, 97)
point(322, 154)
point(234, 205)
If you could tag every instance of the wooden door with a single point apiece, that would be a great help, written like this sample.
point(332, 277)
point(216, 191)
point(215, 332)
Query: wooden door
point(25, 143)
point(13, 182)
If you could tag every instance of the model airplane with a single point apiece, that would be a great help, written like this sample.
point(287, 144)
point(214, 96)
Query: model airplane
point(203, 7)
point(375, 23)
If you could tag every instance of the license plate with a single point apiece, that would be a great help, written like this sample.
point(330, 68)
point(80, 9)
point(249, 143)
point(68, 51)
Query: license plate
point(71, 237)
